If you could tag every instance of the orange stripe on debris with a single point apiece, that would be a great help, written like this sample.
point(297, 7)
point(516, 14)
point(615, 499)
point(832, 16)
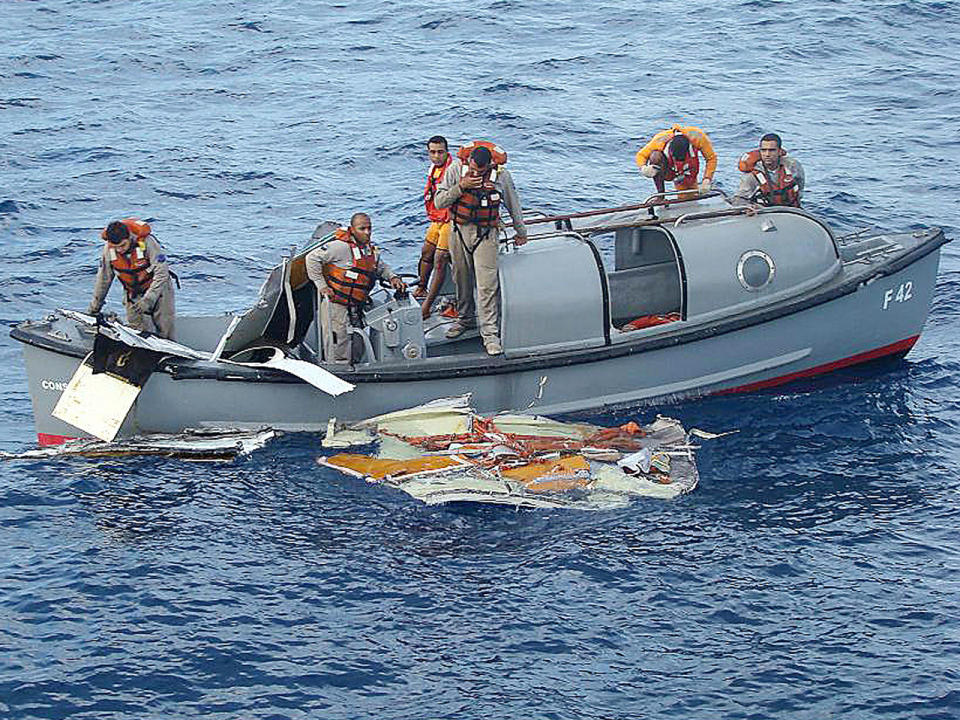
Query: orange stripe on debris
point(380, 469)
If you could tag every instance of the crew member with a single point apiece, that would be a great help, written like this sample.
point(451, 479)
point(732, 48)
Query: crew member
point(435, 254)
point(344, 271)
point(769, 176)
point(133, 254)
point(672, 155)
point(473, 187)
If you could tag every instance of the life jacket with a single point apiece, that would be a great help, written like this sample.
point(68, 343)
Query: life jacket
point(480, 207)
point(133, 269)
point(783, 189)
point(683, 170)
point(434, 176)
point(352, 285)
point(139, 230)
point(497, 153)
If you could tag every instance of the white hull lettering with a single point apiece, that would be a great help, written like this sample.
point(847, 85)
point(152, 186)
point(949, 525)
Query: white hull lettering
point(900, 295)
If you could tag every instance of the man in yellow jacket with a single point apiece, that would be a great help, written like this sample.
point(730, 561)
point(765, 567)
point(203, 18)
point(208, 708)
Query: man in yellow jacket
point(672, 155)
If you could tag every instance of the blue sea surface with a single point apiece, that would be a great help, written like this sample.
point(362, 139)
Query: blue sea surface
point(814, 573)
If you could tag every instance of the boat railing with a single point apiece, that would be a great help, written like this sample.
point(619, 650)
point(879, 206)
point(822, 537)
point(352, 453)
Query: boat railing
point(575, 234)
point(686, 217)
point(669, 197)
point(664, 199)
point(533, 215)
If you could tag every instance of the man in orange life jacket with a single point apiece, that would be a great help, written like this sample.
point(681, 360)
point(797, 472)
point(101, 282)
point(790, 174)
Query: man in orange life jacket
point(672, 155)
point(344, 271)
point(435, 254)
point(133, 254)
point(769, 176)
point(473, 188)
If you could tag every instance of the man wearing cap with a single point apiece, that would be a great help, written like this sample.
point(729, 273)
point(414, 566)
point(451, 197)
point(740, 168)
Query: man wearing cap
point(473, 187)
point(133, 255)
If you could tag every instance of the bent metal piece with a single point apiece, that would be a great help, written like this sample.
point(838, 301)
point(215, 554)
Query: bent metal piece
point(308, 372)
point(198, 446)
point(96, 403)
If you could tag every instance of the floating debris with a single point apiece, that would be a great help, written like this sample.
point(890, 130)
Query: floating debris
point(193, 445)
point(444, 452)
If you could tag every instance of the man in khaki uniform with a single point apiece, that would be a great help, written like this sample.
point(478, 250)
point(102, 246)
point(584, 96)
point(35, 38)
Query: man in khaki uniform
point(474, 191)
point(132, 254)
point(344, 271)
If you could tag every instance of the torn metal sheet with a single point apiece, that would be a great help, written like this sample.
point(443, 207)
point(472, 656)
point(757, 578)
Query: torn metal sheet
point(273, 357)
point(196, 446)
point(443, 416)
point(346, 438)
point(105, 386)
point(96, 403)
point(134, 339)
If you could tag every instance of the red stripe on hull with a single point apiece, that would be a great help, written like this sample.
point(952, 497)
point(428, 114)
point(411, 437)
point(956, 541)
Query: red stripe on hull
point(46, 439)
point(898, 347)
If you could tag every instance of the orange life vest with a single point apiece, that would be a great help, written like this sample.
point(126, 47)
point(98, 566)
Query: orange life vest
point(133, 269)
point(482, 206)
point(352, 285)
point(433, 179)
point(681, 171)
point(139, 230)
point(783, 189)
point(497, 153)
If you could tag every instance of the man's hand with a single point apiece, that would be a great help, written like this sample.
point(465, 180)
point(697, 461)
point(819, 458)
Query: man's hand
point(327, 292)
point(471, 182)
point(519, 240)
point(143, 305)
point(706, 185)
point(649, 170)
point(93, 310)
point(398, 284)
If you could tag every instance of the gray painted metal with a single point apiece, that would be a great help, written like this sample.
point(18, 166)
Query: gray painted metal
point(396, 332)
point(552, 295)
point(803, 252)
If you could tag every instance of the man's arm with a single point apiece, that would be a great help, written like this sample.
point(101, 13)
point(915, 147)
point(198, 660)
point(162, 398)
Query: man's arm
point(797, 171)
point(747, 191)
point(314, 262)
point(448, 191)
point(102, 284)
point(706, 149)
point(512, 200)
point(160, 271)
point(643, 154)
point(384, 272)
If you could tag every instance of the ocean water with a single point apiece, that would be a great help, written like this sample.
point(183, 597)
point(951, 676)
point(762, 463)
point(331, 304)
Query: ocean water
point(814, 573)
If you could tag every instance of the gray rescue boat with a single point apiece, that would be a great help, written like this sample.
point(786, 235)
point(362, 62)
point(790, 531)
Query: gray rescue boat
point(667, 298)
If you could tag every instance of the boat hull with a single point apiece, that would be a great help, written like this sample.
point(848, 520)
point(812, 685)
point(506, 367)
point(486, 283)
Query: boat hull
point(882, 317)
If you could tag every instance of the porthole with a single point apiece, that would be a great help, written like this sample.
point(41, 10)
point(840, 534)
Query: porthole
point(755, 270)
